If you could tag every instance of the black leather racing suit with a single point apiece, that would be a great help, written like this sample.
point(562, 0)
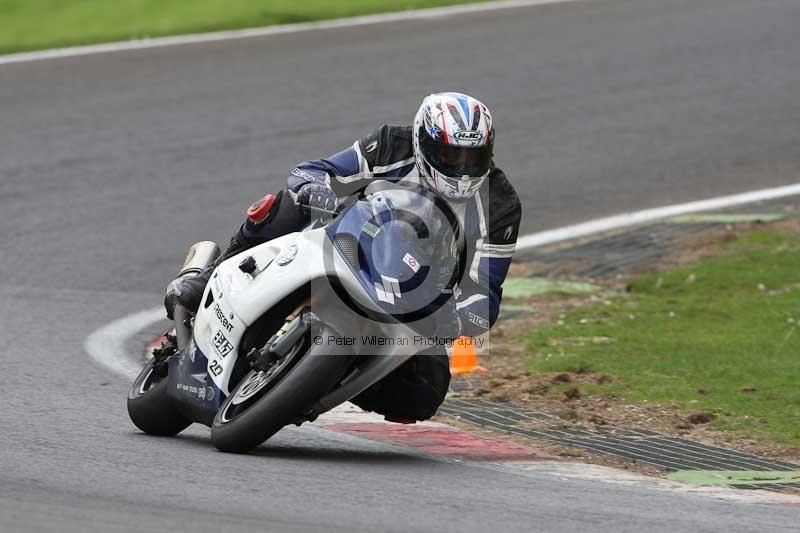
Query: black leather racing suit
point(490, 221)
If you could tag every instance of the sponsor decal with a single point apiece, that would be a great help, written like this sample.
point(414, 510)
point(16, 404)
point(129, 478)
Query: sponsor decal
point(221, 344)
point(508, 233)
point(227, 324)
point(388, 290)
point(467, 135)
point(203, 393)
point(479, 321)
point(371, 146)
point(412, 262)
point(302, 174)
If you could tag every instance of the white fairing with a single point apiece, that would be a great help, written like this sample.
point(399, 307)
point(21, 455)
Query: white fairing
point(240, 299)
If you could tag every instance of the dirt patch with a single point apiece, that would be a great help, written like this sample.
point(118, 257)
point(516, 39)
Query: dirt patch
point(701, 418)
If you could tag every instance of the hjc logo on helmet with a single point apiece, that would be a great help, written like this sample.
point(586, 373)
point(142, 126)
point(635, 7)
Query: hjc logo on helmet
point(467, 135)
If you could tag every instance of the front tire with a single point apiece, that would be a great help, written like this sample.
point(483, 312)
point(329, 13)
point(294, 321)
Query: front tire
point(149, 407)
point(314, 372)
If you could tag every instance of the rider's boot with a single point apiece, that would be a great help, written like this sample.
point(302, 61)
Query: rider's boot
point(188, 291)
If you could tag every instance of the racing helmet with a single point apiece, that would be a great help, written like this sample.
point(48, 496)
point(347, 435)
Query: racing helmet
point(453, 143)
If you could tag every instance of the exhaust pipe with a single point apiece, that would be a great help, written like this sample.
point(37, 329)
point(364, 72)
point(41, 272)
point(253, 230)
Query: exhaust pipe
point(199, 256)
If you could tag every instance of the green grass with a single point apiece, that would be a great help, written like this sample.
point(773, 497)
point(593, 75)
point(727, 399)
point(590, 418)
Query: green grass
point(37, 24)
point(720, 325)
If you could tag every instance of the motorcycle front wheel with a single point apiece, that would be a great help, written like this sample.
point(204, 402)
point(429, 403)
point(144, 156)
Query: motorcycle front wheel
point(149, 407)
point(265, 401)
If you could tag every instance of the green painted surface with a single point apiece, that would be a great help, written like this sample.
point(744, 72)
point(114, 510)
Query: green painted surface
point(37, 24)
point(734, 477)
point(528, 287)
point(727, 218)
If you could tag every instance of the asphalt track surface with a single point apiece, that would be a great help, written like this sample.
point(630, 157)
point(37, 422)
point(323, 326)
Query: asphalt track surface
point(111, 164)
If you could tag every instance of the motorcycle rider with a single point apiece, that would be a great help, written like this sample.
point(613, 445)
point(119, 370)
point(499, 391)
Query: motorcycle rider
point(449, 149)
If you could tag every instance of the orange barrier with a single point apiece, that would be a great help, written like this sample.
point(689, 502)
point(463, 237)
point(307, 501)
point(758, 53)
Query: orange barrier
point(464, 357)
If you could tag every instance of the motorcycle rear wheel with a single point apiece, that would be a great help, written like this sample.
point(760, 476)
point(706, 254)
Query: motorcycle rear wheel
point(270, 405)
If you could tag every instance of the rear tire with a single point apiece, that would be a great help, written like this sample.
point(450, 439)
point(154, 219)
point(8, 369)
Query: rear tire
point(316, 372)
point(149, 407)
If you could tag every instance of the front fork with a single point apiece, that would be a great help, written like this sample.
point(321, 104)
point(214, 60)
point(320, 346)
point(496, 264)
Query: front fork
point(296, 325)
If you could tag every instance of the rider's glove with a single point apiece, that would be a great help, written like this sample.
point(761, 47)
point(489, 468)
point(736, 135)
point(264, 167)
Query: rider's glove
point(317, 196)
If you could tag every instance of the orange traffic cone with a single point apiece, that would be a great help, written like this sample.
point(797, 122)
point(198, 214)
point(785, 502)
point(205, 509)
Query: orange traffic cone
point(464, 357)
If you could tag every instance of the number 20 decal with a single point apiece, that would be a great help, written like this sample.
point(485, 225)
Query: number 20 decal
point(215, 368)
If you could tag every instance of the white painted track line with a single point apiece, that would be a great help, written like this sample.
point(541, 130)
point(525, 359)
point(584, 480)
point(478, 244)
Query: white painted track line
point(625, 220)
point(107, 344)
point(278, 29)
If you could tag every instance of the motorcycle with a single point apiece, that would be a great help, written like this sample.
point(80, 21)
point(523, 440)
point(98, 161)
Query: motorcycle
point(291, 328)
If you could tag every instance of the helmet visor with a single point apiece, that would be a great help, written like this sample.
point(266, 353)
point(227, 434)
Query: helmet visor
point(455, 161)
